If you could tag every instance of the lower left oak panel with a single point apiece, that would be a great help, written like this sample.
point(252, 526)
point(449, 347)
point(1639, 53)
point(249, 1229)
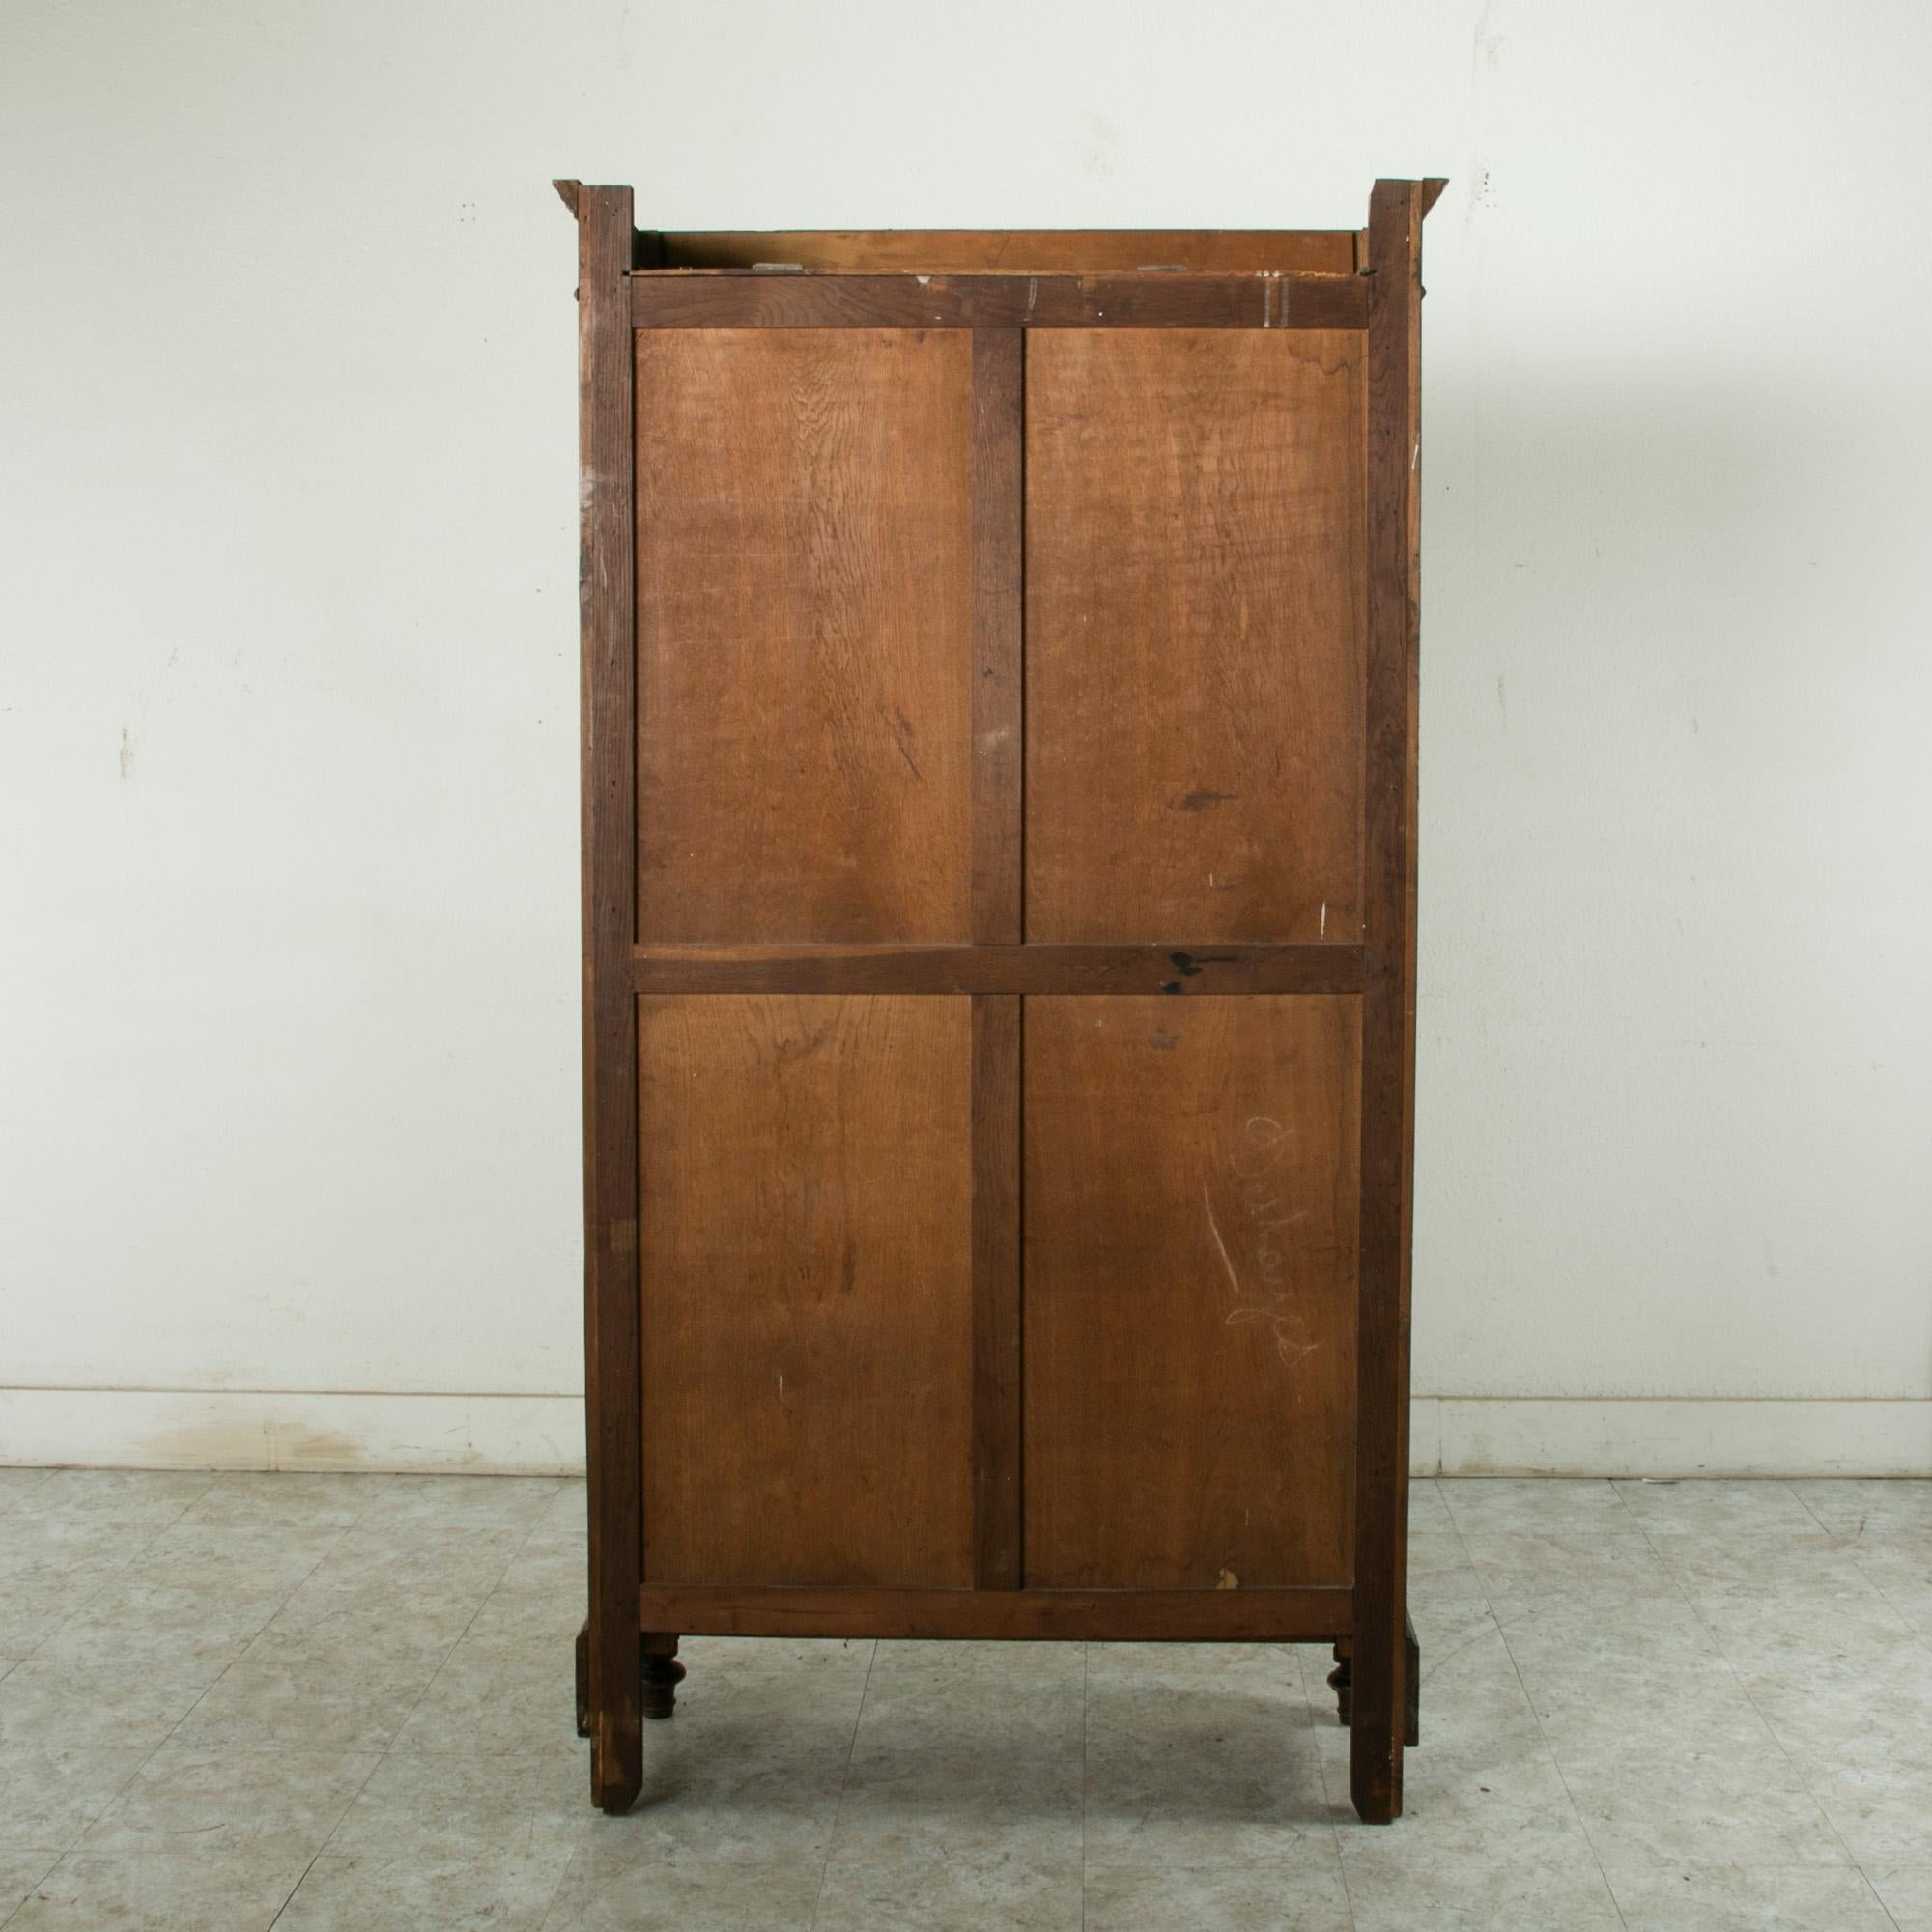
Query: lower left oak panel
point(808, 1319)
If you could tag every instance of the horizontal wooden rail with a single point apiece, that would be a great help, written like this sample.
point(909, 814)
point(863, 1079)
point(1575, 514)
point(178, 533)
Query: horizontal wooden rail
point(998, 969)
point(696, 301)
point(1013, 251)
point(1097, 1616)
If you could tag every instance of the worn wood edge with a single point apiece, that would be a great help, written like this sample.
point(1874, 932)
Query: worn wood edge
point(1200, 969)
point(997, 301)
point(1020, 250)
point(1432, 193)
point(1312, 1614)
point(613, 1359)
point(1378, 1658)
point(569, 192)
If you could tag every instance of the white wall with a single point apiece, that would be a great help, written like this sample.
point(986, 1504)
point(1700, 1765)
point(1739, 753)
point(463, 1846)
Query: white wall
point(288, 919)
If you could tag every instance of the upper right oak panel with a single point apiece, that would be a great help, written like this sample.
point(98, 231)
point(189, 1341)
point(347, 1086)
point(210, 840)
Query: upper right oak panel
point(1195, 635)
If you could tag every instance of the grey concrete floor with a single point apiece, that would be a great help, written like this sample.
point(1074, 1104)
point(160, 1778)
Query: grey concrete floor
point(345, 1701)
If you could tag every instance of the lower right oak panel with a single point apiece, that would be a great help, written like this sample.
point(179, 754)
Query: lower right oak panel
point(1190, 1225)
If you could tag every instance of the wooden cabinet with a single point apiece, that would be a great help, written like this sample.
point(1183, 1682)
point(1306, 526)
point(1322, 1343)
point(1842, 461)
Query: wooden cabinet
point(998, 834)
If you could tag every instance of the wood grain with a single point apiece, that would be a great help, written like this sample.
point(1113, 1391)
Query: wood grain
point(1190, 1227)
point(809, 1333)
point(1017, 251)
point(996, 1292)
point(999, 721)
point(805, 643)
point(1089, 1616)
point(1195, 637)
point(675, 300)
point(1378, 1660)
point(1203, 968)
point(610, 1027)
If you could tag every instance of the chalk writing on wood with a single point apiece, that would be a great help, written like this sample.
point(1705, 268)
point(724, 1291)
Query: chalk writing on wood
point(1256, 1163)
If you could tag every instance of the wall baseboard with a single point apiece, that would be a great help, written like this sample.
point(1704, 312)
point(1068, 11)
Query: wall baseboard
point(1687, 1435)
point(176, 1429)
point(542, 1435)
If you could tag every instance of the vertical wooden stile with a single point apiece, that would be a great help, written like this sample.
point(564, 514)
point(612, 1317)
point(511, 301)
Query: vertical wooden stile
point(1379, 1662)
point(997, 919)
point(996, 1291)
point(998, 713)
point(607, 615)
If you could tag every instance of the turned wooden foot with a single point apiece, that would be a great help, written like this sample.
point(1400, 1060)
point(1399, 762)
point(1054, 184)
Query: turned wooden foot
point(1338, 1682)
point(663, 1673)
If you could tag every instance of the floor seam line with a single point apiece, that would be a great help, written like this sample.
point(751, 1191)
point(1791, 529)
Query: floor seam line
point(113, 1578)
point(1086, 1687)
point(1317, 1701)
point(1541, 1730)
point(1717, 1644)
point(16, 1910)
point(295, 1888)
point(845, 1779)
point(163, 1742)
point(1920, 1634)
point(442, 1663)
point(281, 1605)
point(1876, 1898)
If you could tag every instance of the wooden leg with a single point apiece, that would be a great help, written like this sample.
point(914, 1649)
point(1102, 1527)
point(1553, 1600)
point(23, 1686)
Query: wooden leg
point(662, 1674)
point(616, 1763)
point(612, 1710)
point(1338, 1682)
point(1378, 1718)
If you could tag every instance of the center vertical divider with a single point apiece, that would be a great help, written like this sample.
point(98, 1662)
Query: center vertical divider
point(998, 820)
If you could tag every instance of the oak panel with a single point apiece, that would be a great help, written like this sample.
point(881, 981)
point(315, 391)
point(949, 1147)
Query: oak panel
point(1190, 1239)
point(807, 1259)
point(1195, 635)
point(804, 634)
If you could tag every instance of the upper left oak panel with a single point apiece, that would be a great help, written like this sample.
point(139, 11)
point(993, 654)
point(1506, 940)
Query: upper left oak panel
point(804, 634)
